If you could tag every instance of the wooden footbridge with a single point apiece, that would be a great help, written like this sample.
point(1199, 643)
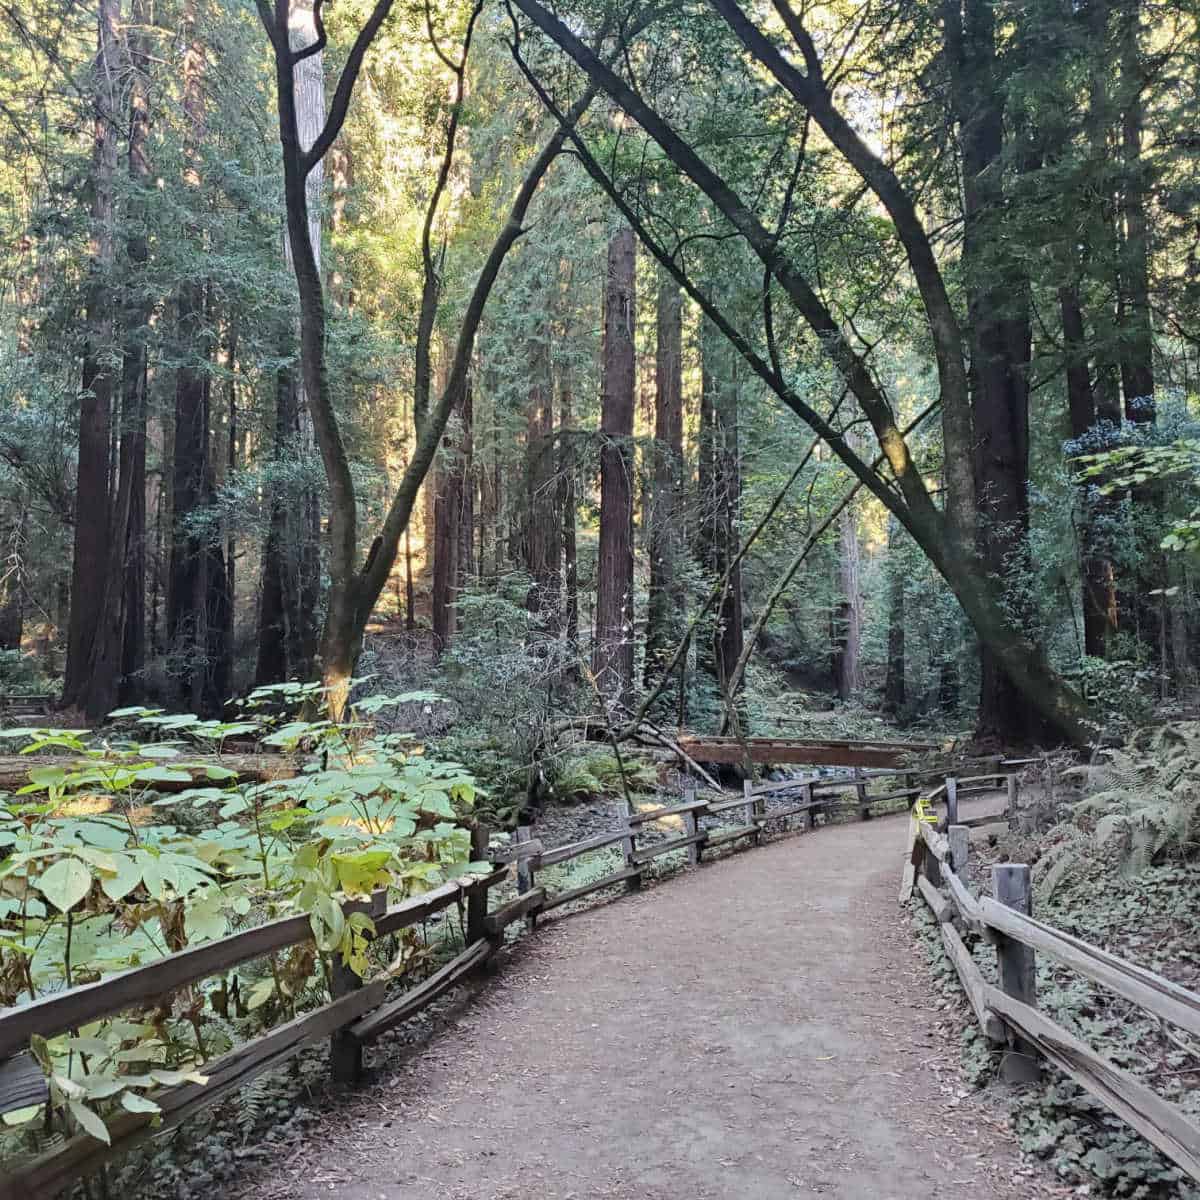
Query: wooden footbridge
point(824, 752)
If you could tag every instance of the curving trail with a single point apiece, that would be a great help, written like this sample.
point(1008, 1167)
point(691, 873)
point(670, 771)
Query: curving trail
point(760, 1028)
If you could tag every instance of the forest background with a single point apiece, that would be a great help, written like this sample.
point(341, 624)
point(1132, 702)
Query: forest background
point(687, 362)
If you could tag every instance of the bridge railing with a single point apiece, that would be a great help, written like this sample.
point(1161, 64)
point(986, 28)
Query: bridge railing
point(937, 867)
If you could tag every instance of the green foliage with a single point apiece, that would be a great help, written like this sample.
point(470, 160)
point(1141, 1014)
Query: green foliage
point(1136, 466)
point(1143, 799)
point(93, 881)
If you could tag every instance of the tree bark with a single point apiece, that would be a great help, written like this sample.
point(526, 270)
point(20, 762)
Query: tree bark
point(612, 654)
point(848, 615)
point(1099, 601)
point(720, 501)
point(664, 617)
point(1137, 333)
point(543, 526)
point(894, 688)
point(999, 302)
point(118, 654)
point(568, 503)
point(196, 600)
point(90, 559)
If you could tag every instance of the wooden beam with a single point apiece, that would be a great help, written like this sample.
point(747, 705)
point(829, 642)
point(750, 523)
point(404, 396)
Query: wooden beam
point(22, 1083)
point(811, 753)
point(48, 1174)
point(1144, 988)
point(731, 835)
point(514, 910)
point(622, 876)
point(1157, 1120)
point(387, 1016)
point(940, 906)
point(971, 978)
point(574, 849)
point(645, 854)
point(88, 1002)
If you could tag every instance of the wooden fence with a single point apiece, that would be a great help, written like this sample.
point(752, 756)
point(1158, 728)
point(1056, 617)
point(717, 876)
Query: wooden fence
point(359, 1010)
point(937, 865)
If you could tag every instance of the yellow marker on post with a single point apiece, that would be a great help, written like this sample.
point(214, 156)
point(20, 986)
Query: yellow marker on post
point(923, 812)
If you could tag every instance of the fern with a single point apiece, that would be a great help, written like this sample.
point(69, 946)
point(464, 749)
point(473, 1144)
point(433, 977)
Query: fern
point(1142, 800)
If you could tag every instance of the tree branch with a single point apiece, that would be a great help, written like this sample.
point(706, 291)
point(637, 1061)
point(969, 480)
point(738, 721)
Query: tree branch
point(345, 87)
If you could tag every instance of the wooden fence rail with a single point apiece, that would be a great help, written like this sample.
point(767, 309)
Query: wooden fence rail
point(936, 868)
point(359, 1010)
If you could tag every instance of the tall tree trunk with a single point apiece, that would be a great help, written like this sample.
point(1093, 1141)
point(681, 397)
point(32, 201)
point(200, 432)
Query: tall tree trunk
point(720, 499)
point(664, 616)
point(894, 688)
point(291, 560)
point(612, 655)
point(848, 615)
point(447, 511)
point(1096, 570)
point(12, 606)
point(999, 308)
point(196, 595)
point(543, 528)
point(271, 665)
point(118, 656)
point(1137, 334)
point(568, 503)
point(90, 558)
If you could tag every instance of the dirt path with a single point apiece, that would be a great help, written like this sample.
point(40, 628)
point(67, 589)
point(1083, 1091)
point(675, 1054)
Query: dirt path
point(759, 1029)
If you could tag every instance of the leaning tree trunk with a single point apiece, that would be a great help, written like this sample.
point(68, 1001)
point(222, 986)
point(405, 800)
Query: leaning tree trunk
point(291, 563)
point(612, 653)
point(90, 559)
point(664, 616)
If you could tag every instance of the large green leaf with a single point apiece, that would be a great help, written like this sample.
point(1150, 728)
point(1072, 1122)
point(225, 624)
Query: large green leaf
point(89, 1122)
point(65, 883)
point(127, 876)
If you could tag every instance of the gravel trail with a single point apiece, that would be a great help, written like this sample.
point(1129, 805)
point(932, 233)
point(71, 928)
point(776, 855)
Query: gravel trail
point(761, 1028)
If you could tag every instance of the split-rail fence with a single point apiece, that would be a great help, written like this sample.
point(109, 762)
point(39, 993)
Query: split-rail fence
point(360, 1010)
point(937, 865)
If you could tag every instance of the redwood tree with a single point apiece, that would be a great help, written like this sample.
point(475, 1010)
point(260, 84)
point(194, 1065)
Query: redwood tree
point(612, 651)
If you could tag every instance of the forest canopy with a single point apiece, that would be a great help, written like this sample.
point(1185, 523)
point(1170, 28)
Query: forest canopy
point(710, 363)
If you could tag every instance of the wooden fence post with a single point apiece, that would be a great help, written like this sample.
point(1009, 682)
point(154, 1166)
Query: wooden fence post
point(959, 837)
point(1012, 887)
point(951, 801)
point(931, 867)
point(477, 903)
point(1013, 791)
point(911, 786)
point(860, 790)
point(525, 873)
point(751, 810)
point(691, 826)
point(628, 848)
point(345, 1050)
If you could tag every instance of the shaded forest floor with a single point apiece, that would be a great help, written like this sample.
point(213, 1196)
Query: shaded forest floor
point(764, 1027)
